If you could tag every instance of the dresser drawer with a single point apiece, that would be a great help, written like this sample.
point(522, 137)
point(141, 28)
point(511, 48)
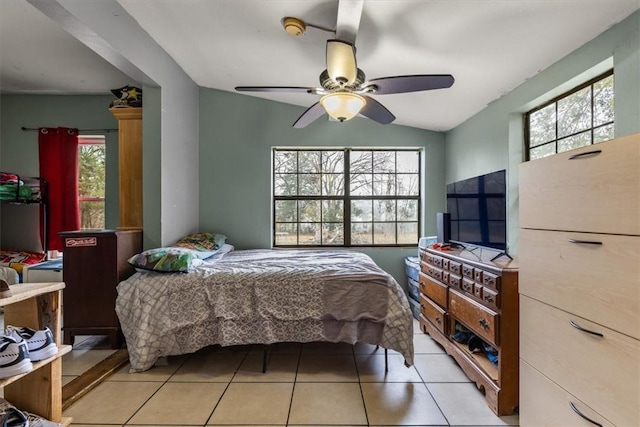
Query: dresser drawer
point(491, 298)
point(455, 281)
point(479, 319)
point(455, 267)
point(435, 314)
point(603, 372)
point(597, 282)
point(595, 193)
point(468, 271)
point(544, 403)
point(434, 290)
point(434, 272)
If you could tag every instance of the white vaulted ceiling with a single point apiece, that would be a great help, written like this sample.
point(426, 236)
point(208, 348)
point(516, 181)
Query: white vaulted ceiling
point(489, 46)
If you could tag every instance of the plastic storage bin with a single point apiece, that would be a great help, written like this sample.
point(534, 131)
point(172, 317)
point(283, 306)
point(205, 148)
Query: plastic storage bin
point(415, 308)
point(412, 267)
point(413, 289)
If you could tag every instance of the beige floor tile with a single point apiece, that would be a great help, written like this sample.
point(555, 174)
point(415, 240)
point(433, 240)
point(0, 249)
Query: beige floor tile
point(156, 373)
point(253, 403)
point(66, 379)
point(111, 402)
point(464, 404)
point(423, 343)
point(371, 369)
point(327, 348)
point(280, 368)
point(399, 404)
point(91, 342)
point(180, 403)
point(209, 366)
point(439, 368)
point(97, 425)
point(327, 403)
point(77, 362)
point(327, 368)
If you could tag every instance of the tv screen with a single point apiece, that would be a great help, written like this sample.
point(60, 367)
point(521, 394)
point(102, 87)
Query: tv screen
point(478, 209)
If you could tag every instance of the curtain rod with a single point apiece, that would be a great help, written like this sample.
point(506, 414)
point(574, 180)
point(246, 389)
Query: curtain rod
point(79, 130)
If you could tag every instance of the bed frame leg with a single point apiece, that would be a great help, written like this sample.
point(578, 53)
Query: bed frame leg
point(265, 349)
point(386, 360)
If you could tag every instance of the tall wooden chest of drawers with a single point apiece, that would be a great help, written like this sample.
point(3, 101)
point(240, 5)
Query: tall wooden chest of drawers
point(580, 287)
point(467, 288)
point(94, 262)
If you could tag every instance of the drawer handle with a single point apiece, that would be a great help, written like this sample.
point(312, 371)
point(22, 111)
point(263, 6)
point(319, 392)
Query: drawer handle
point(484, 324)
point(585, 242)
point(488, 299)
point(585, 154)
point(580, 328)
point(438, 321)
point(583, 416)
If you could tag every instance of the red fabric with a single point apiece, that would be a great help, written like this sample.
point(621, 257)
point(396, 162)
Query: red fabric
point(58, 151)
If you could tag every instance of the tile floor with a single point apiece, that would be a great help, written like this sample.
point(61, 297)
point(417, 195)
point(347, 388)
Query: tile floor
point(315, 384)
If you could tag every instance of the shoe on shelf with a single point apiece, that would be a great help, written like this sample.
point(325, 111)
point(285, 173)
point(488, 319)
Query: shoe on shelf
point(40, 344)
point(10, 416)
point(38, 421)
point(14, 357)
point(5, 290)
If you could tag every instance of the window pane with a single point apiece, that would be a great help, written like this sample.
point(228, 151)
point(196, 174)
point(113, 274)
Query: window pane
point(362, 234)
point(603, 133)
point(384, 210)
point(574, 112)
point(332, 211)
point(309, 185)
point(361, 185)
point(332, 184)
point(332, 234)
point(544, 151)
point(575, 141)
point(309, 210)
point(542, 125)
point(408, 184)
point(384, 233)
point(309, 234)
point(285, 161)
point(91, 181)
point(333, 161)
point(384, 161)
point(408, 233)
point(286, 234)
point(285, 185)
point(92, 214)
point(407, 210)
point(361, 162)
point(286, 211)
point(603, 101)
point(384, 184)
point(361, 210)
point(309, 161)
point(408, 161)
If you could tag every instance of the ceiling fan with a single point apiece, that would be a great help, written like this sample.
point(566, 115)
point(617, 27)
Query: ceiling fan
point(343, 86)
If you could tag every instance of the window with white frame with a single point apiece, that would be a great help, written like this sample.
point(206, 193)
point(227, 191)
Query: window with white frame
point(346, 197)
point(581, 117)
point(91, 180)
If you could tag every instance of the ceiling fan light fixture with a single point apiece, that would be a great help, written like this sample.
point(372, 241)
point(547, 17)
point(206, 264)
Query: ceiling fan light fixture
point(342, 106)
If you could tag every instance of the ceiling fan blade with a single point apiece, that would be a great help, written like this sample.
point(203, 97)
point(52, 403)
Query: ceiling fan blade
point(413, 83)
point(348, 19)
point(311, 114)
point(341, 62)
point(297, 89)
point(376, 111)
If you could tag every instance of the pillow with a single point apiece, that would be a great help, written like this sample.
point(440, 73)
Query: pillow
point(17, 259)
point(165, 260)
point(207, 243)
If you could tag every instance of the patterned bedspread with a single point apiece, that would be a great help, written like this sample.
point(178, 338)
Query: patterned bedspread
point(264, 297)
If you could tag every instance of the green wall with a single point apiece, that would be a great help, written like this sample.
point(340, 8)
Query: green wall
point(237, 133)
point(493, 138)
point(19, 149)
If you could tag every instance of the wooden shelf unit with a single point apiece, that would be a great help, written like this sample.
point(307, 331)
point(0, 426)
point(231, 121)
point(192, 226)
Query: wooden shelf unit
point(36, 305)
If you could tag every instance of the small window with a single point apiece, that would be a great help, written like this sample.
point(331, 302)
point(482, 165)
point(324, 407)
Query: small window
point(91, 180)
point(346, 197)
point(581, 117)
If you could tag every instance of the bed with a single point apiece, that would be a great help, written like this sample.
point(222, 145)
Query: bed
point(264, 297)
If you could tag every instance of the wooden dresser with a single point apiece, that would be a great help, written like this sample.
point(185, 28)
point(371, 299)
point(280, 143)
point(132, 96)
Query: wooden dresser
point(580, 287)
point(461, 286)
point(94, 262)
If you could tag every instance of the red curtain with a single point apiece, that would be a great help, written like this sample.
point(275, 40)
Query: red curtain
point(58, 152)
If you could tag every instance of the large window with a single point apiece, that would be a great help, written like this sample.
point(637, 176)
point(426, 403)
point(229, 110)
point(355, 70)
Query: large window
point(581, 117)
point(346, 197)
point(91, 184)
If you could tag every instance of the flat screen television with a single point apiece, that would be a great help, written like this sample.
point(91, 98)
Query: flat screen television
point(478, 210)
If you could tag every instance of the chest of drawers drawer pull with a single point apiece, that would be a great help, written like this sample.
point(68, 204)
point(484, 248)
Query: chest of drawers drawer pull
point(484, 324)
point(580, 328)
point(573, 407)
point(467, 271)
point(585, 242)
point(467, 285)
point(585, 154)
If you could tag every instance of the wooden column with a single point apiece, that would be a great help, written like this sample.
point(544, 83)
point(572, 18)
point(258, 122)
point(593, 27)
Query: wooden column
point(129, 166)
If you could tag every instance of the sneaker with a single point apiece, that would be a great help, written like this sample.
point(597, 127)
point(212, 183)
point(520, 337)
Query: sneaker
point(11, 416)
point(14, 357)
point(40, 343)
point(37, 421)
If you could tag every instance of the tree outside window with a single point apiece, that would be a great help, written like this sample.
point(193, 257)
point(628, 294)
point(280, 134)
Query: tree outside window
point(91, 184)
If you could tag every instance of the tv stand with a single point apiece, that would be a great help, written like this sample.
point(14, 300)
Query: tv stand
point(500, 255)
